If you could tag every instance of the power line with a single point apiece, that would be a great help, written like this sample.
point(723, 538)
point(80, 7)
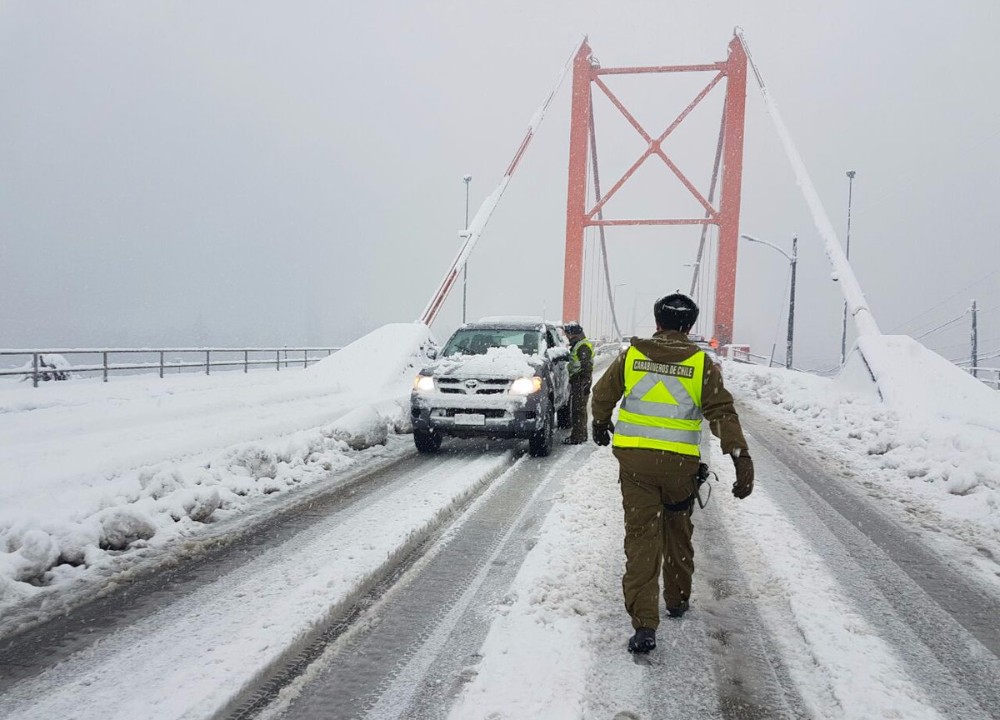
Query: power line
point(935, 307)
point(990, 354)
point(942, 326)
point(989, 309)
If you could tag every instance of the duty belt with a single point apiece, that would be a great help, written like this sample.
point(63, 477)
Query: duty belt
point(700, 479)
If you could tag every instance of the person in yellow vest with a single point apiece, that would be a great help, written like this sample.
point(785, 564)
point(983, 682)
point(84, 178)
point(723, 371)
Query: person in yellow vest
point(581, 373)
point(667, 386)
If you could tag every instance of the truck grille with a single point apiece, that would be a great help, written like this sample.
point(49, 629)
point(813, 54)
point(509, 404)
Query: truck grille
point(465, 386)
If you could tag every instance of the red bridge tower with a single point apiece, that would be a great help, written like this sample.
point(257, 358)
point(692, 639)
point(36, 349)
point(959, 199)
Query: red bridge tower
point(726, 216)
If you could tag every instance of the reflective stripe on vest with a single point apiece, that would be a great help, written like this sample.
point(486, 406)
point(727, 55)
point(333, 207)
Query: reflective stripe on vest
point(575, 366)
point(661, 409)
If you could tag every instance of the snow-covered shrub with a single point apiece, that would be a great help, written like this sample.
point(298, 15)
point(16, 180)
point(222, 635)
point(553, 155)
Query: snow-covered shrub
point(258, 461)
point(159, 483)
point(361, 428)
point(76, 542)
point(196, 503)
point(38, 552)
point(51, 366)
point(121, 526)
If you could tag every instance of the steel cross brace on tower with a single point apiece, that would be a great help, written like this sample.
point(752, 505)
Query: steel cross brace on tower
point(587, 74)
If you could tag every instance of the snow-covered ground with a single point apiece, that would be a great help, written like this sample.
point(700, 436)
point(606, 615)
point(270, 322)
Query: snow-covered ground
point(930, 453)
point(93, 474)
point(91, 469)
point(936, 475)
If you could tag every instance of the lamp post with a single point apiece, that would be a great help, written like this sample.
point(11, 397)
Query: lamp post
point(793, 261)
point(843, 334)
point(614, 301)
point(467, 179)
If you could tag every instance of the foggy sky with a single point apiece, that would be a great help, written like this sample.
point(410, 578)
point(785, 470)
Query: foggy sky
point(234, 173)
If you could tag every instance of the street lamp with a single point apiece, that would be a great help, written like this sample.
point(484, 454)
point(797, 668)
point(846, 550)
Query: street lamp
point(793, 260)
point(843, 334)
point(467, 179)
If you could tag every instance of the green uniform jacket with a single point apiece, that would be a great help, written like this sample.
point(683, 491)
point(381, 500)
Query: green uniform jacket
point(669, 346)
point(586, 373)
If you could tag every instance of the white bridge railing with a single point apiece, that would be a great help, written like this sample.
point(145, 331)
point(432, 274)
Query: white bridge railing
point(979, 372)
point(43, 365)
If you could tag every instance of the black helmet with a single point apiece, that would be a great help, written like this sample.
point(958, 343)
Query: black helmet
point(573, 328)
point(675, 312)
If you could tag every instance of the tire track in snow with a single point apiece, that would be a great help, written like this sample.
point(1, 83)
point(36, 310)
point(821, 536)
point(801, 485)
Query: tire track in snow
point(941, 627)
point(239, 622)
point(407, 656)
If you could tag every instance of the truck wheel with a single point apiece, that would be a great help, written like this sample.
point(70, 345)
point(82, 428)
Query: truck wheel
point(540, 443)
point(427, 441)
point(564, 418)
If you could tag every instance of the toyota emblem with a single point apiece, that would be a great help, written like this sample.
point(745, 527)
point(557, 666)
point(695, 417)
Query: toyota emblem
point(471, 384)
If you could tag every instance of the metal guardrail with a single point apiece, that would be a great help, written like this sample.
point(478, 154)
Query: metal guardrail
point(994, 381)
point(40, 371)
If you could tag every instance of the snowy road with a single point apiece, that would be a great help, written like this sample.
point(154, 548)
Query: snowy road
point(221, 629)
point(409, 654)
point(942, 625)
point(806, 604)
point(482, 583)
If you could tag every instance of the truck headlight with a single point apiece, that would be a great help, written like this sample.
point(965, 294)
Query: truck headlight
point(423, 383)
point(526, 386)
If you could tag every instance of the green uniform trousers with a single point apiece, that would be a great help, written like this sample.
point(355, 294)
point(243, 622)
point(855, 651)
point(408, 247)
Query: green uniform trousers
point(657, 540)
point(579, 392)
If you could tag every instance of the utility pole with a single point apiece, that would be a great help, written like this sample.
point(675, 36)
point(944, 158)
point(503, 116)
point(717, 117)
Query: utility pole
point(843, 336)
point(791, 304)
point(465, 269)
point(975, 343)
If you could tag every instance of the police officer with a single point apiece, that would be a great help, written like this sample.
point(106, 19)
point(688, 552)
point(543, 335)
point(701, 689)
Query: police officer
point(581, 372)
point(667, 386)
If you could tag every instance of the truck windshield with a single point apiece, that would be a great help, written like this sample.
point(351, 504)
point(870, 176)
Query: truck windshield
point(476, 341)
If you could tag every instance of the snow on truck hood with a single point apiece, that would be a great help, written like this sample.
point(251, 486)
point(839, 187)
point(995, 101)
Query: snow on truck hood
point(506, 362)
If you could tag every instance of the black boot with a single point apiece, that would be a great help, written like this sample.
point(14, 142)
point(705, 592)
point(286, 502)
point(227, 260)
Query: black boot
point(643, 641)
point(676, 612)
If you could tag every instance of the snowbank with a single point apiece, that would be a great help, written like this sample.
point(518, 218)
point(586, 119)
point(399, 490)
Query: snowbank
point(913, 379)
point(389, 354)
point(933, 447)
point(88, 470)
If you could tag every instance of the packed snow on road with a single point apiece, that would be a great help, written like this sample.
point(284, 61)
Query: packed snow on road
point(98, 480)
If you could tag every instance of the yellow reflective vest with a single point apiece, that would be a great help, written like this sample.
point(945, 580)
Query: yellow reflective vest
point(575, 366)
point(661, 407)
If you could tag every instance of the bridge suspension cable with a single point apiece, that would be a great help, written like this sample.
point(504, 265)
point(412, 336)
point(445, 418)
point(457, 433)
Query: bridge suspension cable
point(485, 210)
point(711, 199)
point(600, 216)
point(864, 320)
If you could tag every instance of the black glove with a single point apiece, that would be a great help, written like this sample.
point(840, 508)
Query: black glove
point(744, 475)
point(602, 432)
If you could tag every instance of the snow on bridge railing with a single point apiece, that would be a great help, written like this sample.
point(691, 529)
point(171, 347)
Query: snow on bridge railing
point(993, 381)
point(51, 364)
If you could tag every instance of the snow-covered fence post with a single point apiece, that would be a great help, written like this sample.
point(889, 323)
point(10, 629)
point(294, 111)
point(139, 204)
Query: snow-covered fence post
point(161, 364)
point(105, 361)
point(277, 360)
point(246, 361)
point(208, 362)
point(34, 369)
point(305, 358)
